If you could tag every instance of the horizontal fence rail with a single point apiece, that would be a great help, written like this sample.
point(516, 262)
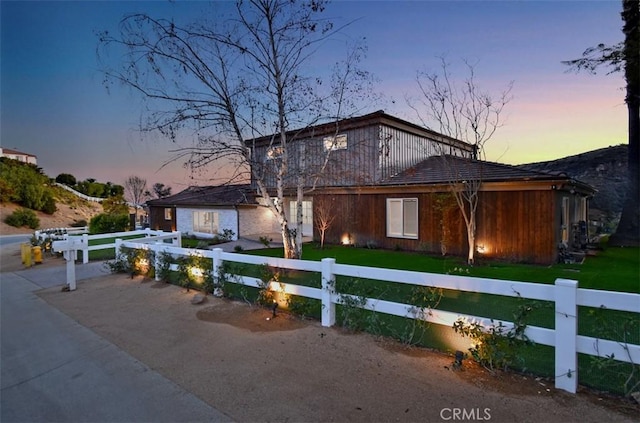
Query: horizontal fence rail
point(565, 294)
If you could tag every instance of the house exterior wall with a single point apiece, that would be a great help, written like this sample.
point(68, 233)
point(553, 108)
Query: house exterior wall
point(16, 155)
point(257, 221)
point(514, 225)
point(157, 220)
point(374, 153)
point(227, 219)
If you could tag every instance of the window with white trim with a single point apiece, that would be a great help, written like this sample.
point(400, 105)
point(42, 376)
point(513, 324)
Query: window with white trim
point(168, 213)
point(205, 222)
point(339, 142)
point(402, 218)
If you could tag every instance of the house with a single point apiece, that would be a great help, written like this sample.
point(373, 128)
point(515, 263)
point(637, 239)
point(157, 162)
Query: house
point(387, 183)
point(206, 211)
point(522, 215)
point(18, 155)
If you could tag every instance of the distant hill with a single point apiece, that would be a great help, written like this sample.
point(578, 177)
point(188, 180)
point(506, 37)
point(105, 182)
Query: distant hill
point(605, 169)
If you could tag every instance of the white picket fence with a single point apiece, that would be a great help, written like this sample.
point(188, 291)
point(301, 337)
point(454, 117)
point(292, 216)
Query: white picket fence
point(564, 293)
point(59, 233)
point(147, 236)
point(79, 194)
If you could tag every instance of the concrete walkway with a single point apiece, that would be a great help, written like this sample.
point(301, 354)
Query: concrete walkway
point(54, 369)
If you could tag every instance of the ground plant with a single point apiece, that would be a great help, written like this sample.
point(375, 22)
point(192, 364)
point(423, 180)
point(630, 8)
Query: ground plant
point(23, 217)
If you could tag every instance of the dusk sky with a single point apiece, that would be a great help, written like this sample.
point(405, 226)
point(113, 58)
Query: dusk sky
point(53, 103)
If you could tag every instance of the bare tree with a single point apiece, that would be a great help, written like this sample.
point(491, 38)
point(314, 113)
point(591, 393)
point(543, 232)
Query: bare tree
point(243, 79)
point(323, 216)
point(465, 112)
point(135, 188)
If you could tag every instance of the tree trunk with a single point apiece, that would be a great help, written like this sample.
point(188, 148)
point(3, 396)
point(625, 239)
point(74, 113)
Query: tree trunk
point(628, 230)
point(471, 238)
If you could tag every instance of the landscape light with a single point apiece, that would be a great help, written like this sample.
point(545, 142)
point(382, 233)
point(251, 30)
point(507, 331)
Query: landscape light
point(459, 357)
point(274, 307)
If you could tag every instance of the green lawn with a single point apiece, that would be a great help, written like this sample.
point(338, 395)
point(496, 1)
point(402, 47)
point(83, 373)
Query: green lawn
point(612, 269)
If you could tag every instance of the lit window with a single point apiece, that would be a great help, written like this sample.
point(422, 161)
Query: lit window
point(274, 153)
point(402, 218)
point(168, 213)
point(205, 222)
point(335, 143)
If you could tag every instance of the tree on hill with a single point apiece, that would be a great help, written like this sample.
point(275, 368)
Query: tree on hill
point(66, 179)
point(624, 56)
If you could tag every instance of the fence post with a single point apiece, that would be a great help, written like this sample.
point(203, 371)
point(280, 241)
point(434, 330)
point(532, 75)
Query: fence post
point(566, 332)
point(118, 247)
point(217, 262)
point(85, 248)
point(157, 249)
point(328, 292)
point(177, 241)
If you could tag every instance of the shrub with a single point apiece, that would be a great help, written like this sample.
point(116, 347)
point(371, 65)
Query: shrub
point(23, 217)
point(105, 223)
point(49, 206)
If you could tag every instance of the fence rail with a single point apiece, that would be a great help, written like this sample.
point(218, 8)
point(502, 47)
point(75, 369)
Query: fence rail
point(565, 294)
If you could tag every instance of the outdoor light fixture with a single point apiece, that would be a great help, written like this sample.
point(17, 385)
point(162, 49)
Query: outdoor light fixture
point(274, 307)
point(459, 357)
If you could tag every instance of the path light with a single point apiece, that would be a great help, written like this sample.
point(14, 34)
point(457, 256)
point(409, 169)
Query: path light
point(196, 272)
point(143, 265)
point(274, 307)
point(459, 356)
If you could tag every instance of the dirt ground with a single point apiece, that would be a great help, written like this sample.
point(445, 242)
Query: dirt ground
point(254, 367)
point(62, 218)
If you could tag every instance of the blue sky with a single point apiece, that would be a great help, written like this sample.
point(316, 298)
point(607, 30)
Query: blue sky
point(53, 103)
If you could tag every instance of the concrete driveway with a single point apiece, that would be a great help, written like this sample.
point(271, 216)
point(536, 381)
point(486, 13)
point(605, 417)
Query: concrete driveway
point(54, 369)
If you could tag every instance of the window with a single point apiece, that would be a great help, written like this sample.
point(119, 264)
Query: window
point(168, 213)
point(402, 218)
point(274, 153)
point(205, 222)
point(335, 143)
point(307, 212)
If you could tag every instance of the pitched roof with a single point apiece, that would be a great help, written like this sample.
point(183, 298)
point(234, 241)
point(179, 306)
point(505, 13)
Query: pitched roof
point(446, 169)
point(376, 118)
point(16, 152)
point(219, 195)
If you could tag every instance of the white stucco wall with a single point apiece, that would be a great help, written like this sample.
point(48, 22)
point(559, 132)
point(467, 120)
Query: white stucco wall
point(227, 219)
point(257, 221)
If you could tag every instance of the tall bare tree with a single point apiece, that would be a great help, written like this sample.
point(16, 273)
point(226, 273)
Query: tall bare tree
point(234, 81)
point(624, 56)
point(463, 111)
point(135, 188)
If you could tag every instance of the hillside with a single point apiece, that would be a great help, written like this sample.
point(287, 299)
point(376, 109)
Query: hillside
point(605, 169)
point(70, 209)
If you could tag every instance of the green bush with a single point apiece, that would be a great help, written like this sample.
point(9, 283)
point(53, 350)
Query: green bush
point(49, 206)
point(106, 223)
point(23, 217)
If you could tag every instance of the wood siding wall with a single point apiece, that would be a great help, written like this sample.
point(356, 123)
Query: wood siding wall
point(373, 153)
point(158, 222)
point(519, 226)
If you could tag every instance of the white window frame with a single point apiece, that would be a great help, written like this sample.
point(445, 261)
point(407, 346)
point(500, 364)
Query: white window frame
point(398, 223)
point(168, 213)
point(209, 225)
point(339, 142)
